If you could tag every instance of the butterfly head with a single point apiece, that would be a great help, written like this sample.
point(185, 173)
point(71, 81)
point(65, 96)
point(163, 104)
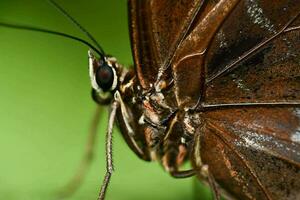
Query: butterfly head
point(104, 73)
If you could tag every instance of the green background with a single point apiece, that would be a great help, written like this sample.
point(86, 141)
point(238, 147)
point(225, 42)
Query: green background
point(46, 108)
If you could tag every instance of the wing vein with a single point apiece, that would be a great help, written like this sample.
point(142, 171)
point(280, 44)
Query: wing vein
point(240, 157)
point(255, 49)
point(249, 104)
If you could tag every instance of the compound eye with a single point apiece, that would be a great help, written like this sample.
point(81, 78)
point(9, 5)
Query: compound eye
point(104, 77)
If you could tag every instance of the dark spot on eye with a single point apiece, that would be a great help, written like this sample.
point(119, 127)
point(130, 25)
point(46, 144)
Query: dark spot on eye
point(104, 77)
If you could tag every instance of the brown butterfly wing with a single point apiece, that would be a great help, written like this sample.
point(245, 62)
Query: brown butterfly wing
point(271, 74)
point(188, 62)
point(254, 153)
point(157, 28)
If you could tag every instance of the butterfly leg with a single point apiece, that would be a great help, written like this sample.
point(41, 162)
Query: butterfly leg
point(172, 165)
point(109, 159)
point(204, 173)
point(183, 174)
point(211, 181)
point(77, 180)
point(203, 169)
point(129, 133)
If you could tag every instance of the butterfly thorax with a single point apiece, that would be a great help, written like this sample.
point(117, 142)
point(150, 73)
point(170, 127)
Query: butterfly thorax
point(160, 128)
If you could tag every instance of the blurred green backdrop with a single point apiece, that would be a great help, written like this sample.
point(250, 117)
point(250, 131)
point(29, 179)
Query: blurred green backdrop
point(46, 107)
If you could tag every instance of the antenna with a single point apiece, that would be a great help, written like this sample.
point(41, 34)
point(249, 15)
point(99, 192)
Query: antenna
point(31, 28)
point(66, 14)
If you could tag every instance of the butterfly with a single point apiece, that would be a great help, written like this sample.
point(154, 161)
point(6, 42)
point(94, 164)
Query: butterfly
point(216, 84)
point(49, 75)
